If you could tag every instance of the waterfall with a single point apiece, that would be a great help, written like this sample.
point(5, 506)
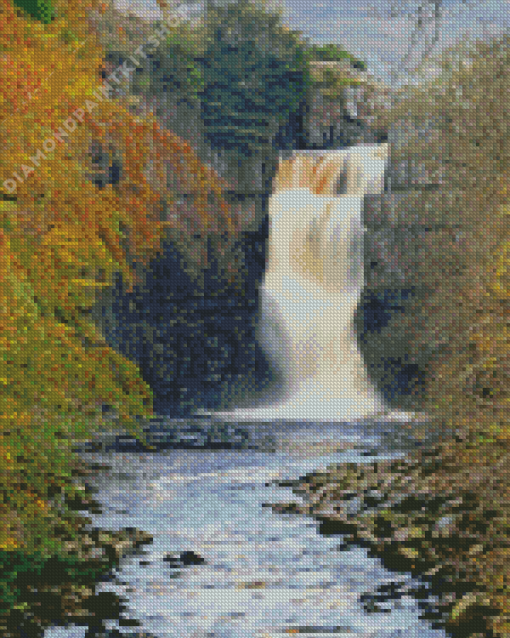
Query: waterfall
point(312, 287)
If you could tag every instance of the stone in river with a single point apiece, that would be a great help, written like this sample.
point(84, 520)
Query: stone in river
point(184, 559)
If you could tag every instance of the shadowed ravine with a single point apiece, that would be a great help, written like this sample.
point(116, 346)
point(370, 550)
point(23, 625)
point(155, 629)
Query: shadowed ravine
point(258, 573)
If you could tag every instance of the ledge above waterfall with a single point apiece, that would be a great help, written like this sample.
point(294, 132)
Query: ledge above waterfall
point(354, 170)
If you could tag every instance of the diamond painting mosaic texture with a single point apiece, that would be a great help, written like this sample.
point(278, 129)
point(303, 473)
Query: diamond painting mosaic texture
point(253, 319)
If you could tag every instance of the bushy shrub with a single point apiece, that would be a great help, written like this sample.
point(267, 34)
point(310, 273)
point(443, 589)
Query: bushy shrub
point(62, 241)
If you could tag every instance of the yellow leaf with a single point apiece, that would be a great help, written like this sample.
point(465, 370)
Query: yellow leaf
point(9, 543)
point(89, 283)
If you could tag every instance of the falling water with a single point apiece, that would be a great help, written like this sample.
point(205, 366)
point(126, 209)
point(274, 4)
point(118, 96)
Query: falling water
point(312, 287)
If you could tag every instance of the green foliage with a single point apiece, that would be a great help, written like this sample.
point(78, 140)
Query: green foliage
point(13, 565)
point(40, 9)
point(255, 76)
point(173, 66)
point(331, 81)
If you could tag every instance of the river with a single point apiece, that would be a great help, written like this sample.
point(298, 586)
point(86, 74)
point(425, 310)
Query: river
point(265, 574)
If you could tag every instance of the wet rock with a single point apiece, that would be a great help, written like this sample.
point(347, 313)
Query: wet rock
point(256, 584)
point(445, 526)
point(399, 511)
point(345, 495)
point(104, 605)
point(286, 483)
point(410, 553)
point(371, 607)
point(408, 534)
point(122, 542)
point(191, 558)
point(98, 632)
point(97, 553)
point(80, 468)
point(317, 629)
point(173, 559)
point(365, 536)
point(373, 498)
point(286, 508)
point(338, 525)
point(78, 503)
point(183, 559)
point(471, 611)
point(353, 507)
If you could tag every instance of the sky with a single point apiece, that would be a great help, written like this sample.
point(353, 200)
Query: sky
point(365, 28)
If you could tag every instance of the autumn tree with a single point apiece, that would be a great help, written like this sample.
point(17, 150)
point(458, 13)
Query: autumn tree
point(62, 239)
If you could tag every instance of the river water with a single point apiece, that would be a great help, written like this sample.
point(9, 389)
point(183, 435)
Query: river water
point(266, 574)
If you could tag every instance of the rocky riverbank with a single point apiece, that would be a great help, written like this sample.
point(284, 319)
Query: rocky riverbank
point(63, 590)
point(420, 514)
point(416, 518)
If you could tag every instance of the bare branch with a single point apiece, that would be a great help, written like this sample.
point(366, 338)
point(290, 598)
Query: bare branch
point(428, 18)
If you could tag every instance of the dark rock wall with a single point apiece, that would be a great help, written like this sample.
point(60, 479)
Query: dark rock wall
point(394, 247)
point(385, 346)
point(195, 346)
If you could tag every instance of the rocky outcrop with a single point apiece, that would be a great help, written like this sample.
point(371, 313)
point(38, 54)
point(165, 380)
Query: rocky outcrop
point(341, 105)
point(194, 344)
point(188, 558)
point(63, 589)
point(196, 347)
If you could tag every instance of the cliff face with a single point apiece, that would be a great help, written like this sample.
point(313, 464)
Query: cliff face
point(341, 105)
point(196, 343)
point(395, 243)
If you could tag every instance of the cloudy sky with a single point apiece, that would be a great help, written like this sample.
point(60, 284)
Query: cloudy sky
point(367, 30)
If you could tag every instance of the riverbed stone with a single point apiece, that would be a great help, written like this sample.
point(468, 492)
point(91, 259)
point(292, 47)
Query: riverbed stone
point(183, 559)
point(93, 632)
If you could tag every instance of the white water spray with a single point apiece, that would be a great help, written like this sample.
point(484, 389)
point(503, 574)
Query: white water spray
point(312, 287)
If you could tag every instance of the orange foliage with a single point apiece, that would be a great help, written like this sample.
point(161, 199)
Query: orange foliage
point(62, 239)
